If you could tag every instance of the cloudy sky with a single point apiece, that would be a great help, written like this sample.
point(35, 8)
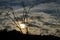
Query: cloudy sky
point(18, 2)
point(44, 7)
point(48, 6)
point(35, 1)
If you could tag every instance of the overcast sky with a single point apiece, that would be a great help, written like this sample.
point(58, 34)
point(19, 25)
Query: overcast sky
point(44, 7)
point(47, 6)
point(18, 2)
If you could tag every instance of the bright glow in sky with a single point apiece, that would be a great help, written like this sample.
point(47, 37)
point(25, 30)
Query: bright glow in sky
point(22, 25)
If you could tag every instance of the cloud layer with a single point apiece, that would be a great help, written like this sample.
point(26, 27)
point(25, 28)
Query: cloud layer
point(47, 9)
point(18, 2)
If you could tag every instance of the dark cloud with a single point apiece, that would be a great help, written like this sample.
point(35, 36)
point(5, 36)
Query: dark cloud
point(18, 2)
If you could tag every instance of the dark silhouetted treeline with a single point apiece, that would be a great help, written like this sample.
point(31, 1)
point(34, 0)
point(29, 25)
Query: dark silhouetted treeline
point(15, 35)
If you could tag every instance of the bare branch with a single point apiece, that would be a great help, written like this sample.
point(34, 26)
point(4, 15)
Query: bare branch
point(14, 22)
